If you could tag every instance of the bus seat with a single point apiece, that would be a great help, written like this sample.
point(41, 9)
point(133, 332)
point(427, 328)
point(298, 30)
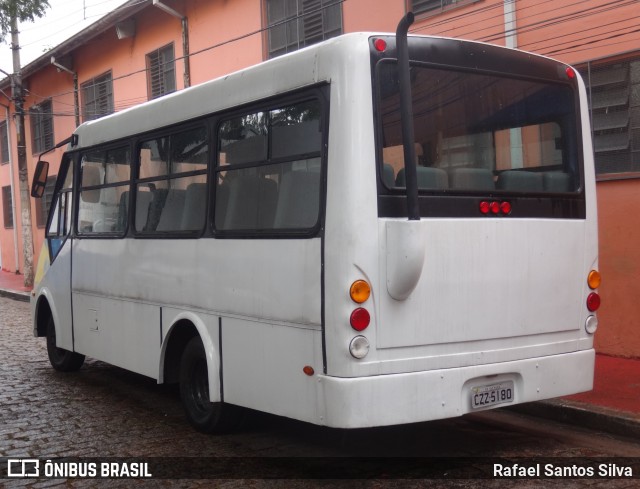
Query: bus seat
point(556, 181)
point(428, 178)
point(246, 150)
point(252, 203)
point(471, 179)
point(520, 181)
point(388, 175)
point(123, 210)
point(222, 201)
point(299, 200)
point(296, 139)
point(143, 201)
point(171, 215)
point(158, 196)
point(195, 207)
point(104, 226)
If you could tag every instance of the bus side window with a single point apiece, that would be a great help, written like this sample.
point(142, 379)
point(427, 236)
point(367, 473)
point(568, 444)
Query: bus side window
point(105, 177)
point(269, 170)
point(60, 211)
point(171, 190)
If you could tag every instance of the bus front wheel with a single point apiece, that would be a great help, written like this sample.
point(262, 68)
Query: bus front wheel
point(62, 360)
point(203, 415)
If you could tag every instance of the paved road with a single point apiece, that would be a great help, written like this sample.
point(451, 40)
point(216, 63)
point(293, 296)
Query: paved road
point(103, 411)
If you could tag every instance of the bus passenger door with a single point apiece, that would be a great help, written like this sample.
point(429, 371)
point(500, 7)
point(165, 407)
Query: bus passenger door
point(56, 282)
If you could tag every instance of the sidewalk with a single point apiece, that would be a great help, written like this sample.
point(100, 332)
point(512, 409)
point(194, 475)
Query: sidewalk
point(613, 405)
point(12, 286)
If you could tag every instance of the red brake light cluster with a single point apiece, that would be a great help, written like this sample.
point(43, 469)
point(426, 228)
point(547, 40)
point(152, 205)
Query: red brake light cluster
point(360, 291)
point(593, 302)
point(495, 207)
point(360, 319)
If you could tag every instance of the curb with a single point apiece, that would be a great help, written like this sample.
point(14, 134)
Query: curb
point(15, 295)
point(585, 415)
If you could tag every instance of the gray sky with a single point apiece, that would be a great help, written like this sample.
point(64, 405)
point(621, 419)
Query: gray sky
point(64, 19)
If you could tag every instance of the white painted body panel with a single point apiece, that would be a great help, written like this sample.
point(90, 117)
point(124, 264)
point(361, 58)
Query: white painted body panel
point(499, 279)
point(55, 287)
point(263, 365)
point(204, 277)
point(443, 393)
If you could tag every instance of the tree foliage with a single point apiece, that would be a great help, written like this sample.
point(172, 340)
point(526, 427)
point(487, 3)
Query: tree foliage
point(22, 10)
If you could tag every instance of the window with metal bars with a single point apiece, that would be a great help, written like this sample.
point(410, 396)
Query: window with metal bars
point(41, 116)
point(4, 143)
point(161, 72)
point(97, 97)
point(294, 24)
point(7, 211)
point(613, 90)
point(434, 6)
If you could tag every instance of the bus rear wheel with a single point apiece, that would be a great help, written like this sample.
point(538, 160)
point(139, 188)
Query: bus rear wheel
point(62, 360)
point(204, 415)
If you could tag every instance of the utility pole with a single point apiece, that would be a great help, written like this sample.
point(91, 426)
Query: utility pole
point(23, 174)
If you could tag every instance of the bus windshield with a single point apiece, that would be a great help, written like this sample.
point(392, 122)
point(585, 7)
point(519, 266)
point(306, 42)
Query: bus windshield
point(477, 132)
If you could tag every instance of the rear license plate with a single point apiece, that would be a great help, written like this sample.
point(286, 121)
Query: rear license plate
point(484, 396)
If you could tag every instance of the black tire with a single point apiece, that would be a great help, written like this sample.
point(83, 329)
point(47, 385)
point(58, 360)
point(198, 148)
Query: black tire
point(62, 360)
point(203, 415)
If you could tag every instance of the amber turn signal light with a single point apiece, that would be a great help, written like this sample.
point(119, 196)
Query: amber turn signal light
point(594, 279)
point(359, 291)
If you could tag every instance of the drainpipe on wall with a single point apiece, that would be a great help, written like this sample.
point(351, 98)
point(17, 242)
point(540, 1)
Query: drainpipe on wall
point(16, 256)
point(185, 38)
point(510, 29)
point(511, 41)
point(76, 101)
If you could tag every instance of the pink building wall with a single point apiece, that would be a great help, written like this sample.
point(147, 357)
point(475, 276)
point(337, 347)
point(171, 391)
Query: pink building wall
point(619, 228)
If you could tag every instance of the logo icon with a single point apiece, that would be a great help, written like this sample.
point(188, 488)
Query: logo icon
point(23, 467)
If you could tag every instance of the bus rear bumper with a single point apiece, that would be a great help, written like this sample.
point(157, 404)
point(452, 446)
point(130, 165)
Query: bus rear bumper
point(421, 396)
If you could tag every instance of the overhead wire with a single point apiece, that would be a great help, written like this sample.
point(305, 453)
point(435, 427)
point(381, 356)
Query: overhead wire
point(543, 24)
point(566, 35)
point(497, 5)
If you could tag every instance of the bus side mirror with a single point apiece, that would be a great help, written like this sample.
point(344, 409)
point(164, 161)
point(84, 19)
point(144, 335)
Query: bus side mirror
point(40, 179)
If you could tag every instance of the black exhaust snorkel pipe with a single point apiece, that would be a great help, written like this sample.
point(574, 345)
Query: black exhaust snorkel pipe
point(406, 117)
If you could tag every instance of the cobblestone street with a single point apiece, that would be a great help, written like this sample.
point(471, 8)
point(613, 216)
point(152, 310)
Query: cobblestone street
point(104, 411)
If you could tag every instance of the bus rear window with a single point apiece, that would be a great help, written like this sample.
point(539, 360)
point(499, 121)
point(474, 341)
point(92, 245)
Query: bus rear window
point(477, 132)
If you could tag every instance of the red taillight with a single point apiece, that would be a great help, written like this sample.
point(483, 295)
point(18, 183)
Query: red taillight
point(360, 319)
point(380, 45)
point(593, 302)
point(495, 207)
point(570, 73)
